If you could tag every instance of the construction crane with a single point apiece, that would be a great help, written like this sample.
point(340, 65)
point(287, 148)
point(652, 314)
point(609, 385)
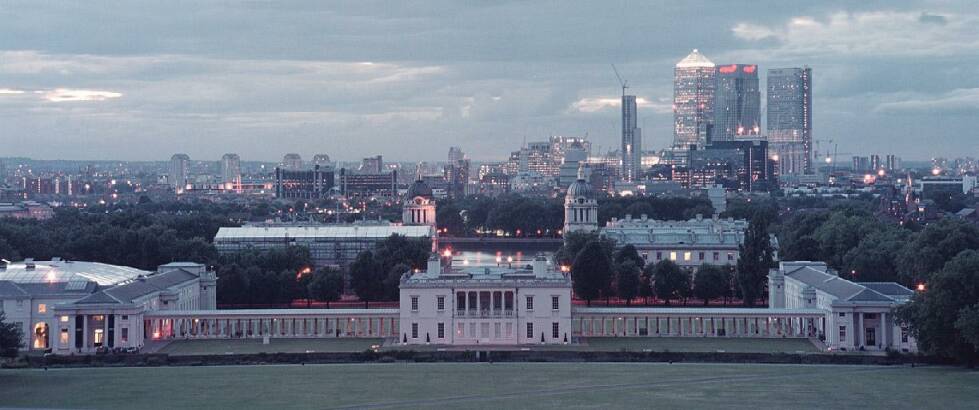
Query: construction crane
point(623, 83)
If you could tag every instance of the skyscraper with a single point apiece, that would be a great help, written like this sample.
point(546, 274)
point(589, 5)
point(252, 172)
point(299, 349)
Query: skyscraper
point(455, 154)
point(292, 162)
point(231, 170)
point(178, 172)
point(737, 103)
point(790, 119)
point(631, 140)
point(693, 101)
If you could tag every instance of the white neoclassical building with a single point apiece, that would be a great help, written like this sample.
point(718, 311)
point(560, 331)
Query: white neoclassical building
point(486, 305)
point(857, 316)
point(69, 307)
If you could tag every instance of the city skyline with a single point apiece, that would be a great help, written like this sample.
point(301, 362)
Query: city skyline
point(216, 87)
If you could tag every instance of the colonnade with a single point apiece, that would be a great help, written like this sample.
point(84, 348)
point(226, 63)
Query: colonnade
point(272, 323)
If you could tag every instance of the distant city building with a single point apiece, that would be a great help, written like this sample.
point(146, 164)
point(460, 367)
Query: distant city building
point(26, 210)
point(790, 119)
point(875, 163)
point(315, 183)
point(693, 101)
point(372, 165)
point(419, 205)
point(737, 103)
point(379, 184)
point(231, 170)
point(631, 140)
point(858, 316)
point(574, 158)
point(455, 154)
point(457, 178)
point(486, 305)
point(892, 162)
point(292, 162)
point(322, 160)
point(178, 172)
point(742, 165)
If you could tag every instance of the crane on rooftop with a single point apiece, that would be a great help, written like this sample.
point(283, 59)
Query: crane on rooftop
point(623, 83)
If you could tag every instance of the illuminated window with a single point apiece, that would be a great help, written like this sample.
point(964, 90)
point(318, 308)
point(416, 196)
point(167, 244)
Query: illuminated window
point(461, 329)
point(672, 256)
point(686, 256)
point(99, 337)
point(64, 319)
point(63, 339)
point(42, 308)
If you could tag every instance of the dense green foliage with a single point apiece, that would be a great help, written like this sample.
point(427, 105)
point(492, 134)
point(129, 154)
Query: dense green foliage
point(712, 282)
point(375, 275)
point(669, 280)
point(755, 258)
point(592, 272)
point(11, 337)
point(627, 280)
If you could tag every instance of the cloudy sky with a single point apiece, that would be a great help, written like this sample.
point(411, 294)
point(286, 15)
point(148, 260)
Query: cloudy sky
point(143, 80)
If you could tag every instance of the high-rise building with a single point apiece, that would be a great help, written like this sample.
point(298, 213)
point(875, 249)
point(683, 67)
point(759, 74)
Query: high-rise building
point(875, 162)
point(455, 154)
point(231, 170)
point(693, 101)
point(292, 162)
point(322, 160)
point(372, 165)
point(303, 184)
point(737, 103)
point(893, 162)
point(631, 140)
point(790, 119)
point(178, 172)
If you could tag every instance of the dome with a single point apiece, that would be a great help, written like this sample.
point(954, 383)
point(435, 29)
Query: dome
point(419, 188)
point(580, 188)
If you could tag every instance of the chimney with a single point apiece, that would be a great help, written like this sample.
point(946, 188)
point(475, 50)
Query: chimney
point(540, 265)
point(434, 265)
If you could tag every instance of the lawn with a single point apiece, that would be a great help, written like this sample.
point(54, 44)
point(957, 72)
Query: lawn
point(497, 385)
point(226, 346)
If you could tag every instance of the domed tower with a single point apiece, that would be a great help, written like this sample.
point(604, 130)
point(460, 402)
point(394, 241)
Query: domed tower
point(419, 205)
point(580, 207)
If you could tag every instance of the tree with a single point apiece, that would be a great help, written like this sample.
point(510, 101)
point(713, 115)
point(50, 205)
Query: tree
point(669, 280)
point(591, 272)
point(233, 284)
point(943, 318)
point(754, 260)
point(646, 283)
point(574, 242)
point(875, 258)
point(327, 285)
point(711, 282)
point(392, 282)
point(930, 249)
point(11, 337)
point(366, 277)
point(629, 253)
point(627, 281)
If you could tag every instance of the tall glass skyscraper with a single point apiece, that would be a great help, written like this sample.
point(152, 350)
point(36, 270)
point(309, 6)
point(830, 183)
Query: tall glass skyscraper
point(737, 103)
point(631, 140)
point(790, 119)
point(693, 101)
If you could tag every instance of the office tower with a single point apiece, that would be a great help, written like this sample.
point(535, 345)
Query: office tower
point(631, 140)
point(693, 101)
point(178, 172)
point(322, 160)
point(372, 165)
point(455, 154)
point(790, 119)
point(231, 169)
point(292, 162)
point(893, 162)
point(303, 184)
point(737, 103)
point(875, 162)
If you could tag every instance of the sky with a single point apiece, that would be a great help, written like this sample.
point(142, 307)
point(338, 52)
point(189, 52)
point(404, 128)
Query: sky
point(140, 80)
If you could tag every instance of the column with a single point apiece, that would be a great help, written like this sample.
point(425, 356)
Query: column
point(858, 332)
point(883, 330)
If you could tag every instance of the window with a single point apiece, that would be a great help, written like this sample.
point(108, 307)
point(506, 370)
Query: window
point(509, 329)
point(461, 329)
point(530, 303)
point(440, 303)
point(842, 314)
point(20, 305)
point(414, 330)
point(555, 330)
point(672, 256)
point(717, 256)
point(701, 255)
point(686, 256)
point(125, 317)
point(414, 303)
point(99, 337)
point(730, 256)
point(63, 339)
point(555, 302)
point(842, 334)
point(645, 256)
point(441, 330)
point(64, 319)
point(530, 330)
point(659, 256)
point(42, 308)
point(124, 335)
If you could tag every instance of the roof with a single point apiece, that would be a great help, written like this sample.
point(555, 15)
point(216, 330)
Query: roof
point(695, 60)
point(820, 278)
point(889, 288)
point(9, 289)
point(580, 188)
point(693, 311)
point(698, 231)
point(323, 231)
point(69, 271)
point(419, 188)
point(142, 286)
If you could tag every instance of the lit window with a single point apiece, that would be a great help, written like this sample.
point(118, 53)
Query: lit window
point(42, 308)
point(64, 319)
point(64, 337)
point(686, 256)
point(414, 303)
point(672, 256)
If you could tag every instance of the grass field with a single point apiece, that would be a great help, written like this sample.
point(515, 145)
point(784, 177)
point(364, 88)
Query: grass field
point(239, 346)
point(499, 385)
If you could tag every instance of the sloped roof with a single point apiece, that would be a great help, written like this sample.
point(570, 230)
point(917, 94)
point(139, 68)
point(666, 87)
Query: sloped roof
point(695, 60)
point(9, 289)
point(130, 291)
point(845, 290)
point(889, 288)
